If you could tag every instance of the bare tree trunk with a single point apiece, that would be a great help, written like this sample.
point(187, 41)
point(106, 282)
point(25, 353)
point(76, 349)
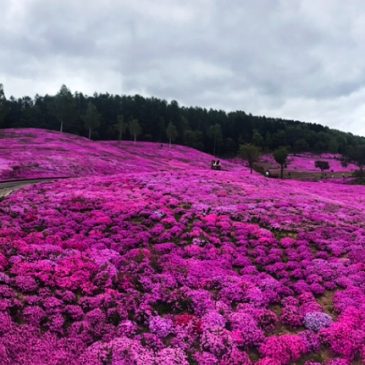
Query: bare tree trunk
point(134, 138)
point(281, 171)
point(89, 133)
point(170, 142)
point(61, 126)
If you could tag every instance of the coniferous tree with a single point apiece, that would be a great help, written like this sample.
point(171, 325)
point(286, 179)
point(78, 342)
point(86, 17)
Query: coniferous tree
point(300, 145)
point(91, 118)
point(215, 133)
point(357, 155)
point(135, 129)
point(161, 128)
point(171, 132)
point(63, 107)
point(3, 105)
point(257, 138)
point(193, 138)
point(121, 126)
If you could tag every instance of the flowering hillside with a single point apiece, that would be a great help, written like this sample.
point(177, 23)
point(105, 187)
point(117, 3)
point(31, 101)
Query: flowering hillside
point(36, 153)
point(182, 265)
point(305, 162)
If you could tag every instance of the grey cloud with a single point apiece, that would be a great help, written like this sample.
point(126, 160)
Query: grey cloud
point(300, 59)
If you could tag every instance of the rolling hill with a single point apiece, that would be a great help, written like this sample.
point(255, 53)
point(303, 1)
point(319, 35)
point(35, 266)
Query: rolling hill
point(147, 256)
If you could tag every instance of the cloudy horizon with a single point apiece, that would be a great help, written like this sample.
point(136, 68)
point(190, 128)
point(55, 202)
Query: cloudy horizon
point(293, 59)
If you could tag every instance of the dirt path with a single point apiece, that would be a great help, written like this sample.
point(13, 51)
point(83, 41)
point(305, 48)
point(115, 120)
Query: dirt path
point(8, 187)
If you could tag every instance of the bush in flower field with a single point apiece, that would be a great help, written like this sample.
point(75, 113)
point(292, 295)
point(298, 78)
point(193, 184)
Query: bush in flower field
point(315, 321)
point(180, 266)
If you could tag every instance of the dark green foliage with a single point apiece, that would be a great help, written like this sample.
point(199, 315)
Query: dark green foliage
point(91, 118)
point(3, 105)
point(301, 145)
point(250, 153)
point(257, 139)
point(210, 130)
point(356, 154)
point(215, 135)
point(134, 129)
point(121, 126)
point(63, 108)
point(281, 156)
point(322, 165)
point(171, 132)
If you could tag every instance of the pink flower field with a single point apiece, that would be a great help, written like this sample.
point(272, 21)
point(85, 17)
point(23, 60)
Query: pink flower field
point(305, 162)
point(36, 153)
point(149, 257)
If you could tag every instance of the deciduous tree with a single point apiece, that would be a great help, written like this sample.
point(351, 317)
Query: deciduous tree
point(281, 156)
point(322, 165)
point(250, 153)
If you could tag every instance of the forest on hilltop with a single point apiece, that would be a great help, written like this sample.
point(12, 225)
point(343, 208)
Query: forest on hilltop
point(106, 116)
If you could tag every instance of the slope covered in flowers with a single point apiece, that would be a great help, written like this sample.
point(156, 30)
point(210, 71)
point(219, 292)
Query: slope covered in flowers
point(305, 162)
point(37, 153)
point(182, 266)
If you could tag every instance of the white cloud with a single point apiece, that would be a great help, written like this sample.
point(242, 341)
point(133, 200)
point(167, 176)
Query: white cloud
point(300, 59)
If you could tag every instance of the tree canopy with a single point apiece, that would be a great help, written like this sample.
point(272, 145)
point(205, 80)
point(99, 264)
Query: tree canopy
point(171, 132)
point(135, 129)
point(121, 126)
point(250, 153)
point(210, 130)
point(91, 118)
point(2, 105)
point(356, 154)
point(62, 107)
point(322, 165)
point(281, 156)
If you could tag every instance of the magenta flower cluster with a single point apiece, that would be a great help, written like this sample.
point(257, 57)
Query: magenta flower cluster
point(315, 321)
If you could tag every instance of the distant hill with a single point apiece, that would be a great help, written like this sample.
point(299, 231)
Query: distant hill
point(38, 153)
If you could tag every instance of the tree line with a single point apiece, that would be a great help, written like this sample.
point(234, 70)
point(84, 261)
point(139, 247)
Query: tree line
point(108, 117)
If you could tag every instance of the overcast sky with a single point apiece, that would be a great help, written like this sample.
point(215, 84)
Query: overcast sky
point(299, 59)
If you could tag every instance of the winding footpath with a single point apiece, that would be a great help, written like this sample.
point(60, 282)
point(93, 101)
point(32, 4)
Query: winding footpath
point(7, 187)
